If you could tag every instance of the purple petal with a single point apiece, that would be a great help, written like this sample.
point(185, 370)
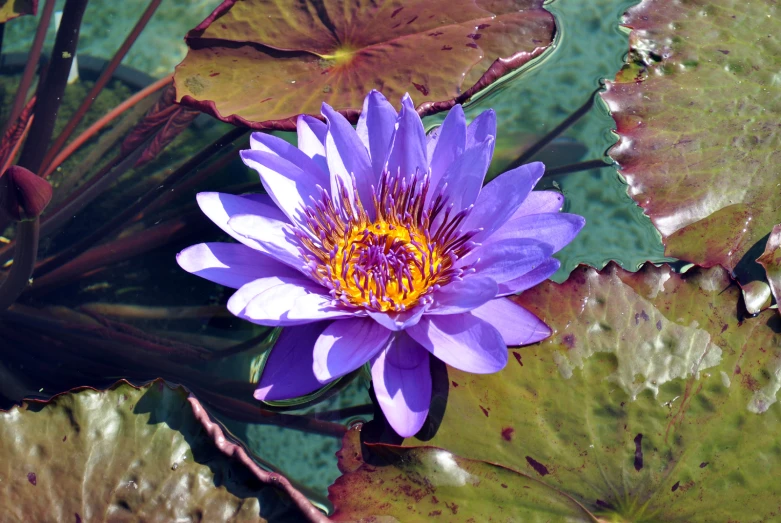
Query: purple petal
point(408, 150)
point(221, 207)
point(463, 296)
point(311, 139)
point(462, 341)
point(346, 345)
point(347, 158)
point(290, 185)
point(462, 181)
point(450, 144)
point(265, 199)
point(500, 198)
point(291, 301)
point(279, 301)
point(269, 236)
point(554, 229)
point(237, 303)
point(375, 129)
point(402, 384)
point(274, 239)
point(505, 260)
point(229, 264)
point(535, 276)
point(481, 128)
point(288, 370)
point(432, 139)
point(397, 321)
point(517, 325)
point(539, 202)
point(276, 145)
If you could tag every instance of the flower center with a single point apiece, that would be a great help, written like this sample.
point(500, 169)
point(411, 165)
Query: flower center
point(385, 266)
point(390, 262)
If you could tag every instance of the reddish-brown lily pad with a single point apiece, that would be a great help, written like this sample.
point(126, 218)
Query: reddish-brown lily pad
point(696, 112)
point(125, 454)
point(652, 401)
point(10, 9)
point(771, 261)
point(260, 63)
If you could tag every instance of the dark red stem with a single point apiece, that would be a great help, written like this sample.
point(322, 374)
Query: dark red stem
point(49, 96)
point(555, 132)
point(31, 66)
point(577, 167)
point(78, 247)
point(115, 251)
point(104, 78)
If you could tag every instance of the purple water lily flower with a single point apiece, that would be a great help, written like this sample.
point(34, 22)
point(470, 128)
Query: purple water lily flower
point(380, 244)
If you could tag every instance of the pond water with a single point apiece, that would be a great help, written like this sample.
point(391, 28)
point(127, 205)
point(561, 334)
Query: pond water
point(589, 48)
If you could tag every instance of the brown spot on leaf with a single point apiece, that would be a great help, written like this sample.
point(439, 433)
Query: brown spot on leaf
point(638, 452)
point(675, 487)
point(485, 411)
point(704, 464)
point(538, 467)
point(483, 26)
point(32, 479)
point(447, 48)
point(659, 325)
point(569, 340)
point(518, 358)
point(723, 51)
point(422, 88)
point(397, 11)
point(504, 486)
point(454, 384)
point(507, 433)
point(750, 383)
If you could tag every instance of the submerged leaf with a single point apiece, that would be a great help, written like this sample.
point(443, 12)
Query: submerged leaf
point(166, 119)
point(651, 401)
point(123, 453)
point(260, 63)
point(696, 113)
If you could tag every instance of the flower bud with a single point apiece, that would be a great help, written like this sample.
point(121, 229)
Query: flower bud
point(23, 194)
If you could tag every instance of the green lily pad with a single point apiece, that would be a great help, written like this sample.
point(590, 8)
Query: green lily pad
point(431, 484)
point(771, 261)
point(260, 63)
point(651, 401)
point(121, 454)
point(10, 9)
point(696, 112)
